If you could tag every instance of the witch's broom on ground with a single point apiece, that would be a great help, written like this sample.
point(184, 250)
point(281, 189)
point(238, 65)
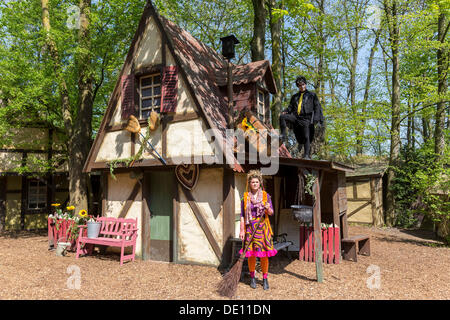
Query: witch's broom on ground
point(134, 127)
point(228, 285)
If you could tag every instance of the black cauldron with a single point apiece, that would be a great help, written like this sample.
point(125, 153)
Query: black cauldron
point(302, 213)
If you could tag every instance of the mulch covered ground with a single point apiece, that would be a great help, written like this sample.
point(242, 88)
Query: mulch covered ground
point(412, 266)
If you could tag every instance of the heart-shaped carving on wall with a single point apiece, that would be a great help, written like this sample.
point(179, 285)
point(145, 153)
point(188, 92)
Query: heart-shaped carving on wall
point(187, 175)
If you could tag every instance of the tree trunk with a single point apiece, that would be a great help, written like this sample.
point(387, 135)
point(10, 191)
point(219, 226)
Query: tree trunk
point(53, 50)
point(360, 132)
point(275, 31)
point(81, 138)
point(392, 19)
point(442, 69)
point(78, 125)
point(259, 30)
point(319, 136)
point(426, 127)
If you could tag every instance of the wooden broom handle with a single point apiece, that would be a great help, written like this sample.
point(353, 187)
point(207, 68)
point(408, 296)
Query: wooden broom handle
point(251, 238)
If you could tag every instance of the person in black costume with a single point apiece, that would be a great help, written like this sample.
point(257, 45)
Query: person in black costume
point(304, 111)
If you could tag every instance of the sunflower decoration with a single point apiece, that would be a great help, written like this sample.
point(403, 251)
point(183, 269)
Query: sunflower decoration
point(56, 205)
point(246, 125)
point(83, 213)
point(70, 208)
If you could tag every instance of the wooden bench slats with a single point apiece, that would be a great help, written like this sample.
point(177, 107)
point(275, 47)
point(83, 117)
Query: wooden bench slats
point(116, 232)
point(355, 238)
point(351, 244)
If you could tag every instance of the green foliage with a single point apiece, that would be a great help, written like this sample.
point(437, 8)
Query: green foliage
point(29, 89)
point(422, 186)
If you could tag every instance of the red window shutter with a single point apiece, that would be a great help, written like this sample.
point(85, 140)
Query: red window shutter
point(127, 96)
point(169, 89)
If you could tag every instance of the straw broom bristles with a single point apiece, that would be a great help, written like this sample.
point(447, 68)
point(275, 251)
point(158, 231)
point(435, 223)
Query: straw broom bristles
point(228, 285)
point(133, 125)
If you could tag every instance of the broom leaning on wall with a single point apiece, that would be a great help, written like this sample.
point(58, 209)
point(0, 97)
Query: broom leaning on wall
point(228, 285)
point(133, 126)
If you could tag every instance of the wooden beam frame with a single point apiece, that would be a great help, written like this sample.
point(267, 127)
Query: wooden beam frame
point(228, 213)
point(130, 200)
point(145, 218)
point(197, 210)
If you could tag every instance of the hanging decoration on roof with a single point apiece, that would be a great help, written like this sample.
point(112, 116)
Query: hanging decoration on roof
point(246, 125)
point(187, 175)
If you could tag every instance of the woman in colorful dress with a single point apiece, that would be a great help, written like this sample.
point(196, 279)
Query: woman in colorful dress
point(256, 206)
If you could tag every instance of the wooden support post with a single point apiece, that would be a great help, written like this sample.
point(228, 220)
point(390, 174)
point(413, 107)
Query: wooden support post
point(145, 218)
point(374, 202)
point(175, 220)
point(317, 229)
point(229, 215)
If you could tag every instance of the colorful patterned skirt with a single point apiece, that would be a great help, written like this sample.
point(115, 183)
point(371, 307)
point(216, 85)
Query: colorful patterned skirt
point(262, 242)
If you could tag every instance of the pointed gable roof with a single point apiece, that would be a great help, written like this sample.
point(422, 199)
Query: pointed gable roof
point(199, 65)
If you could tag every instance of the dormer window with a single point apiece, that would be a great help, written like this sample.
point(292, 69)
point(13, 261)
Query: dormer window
point(260, 105)
point(149, 94)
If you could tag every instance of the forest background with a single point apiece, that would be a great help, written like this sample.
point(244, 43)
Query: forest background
point(379, 68)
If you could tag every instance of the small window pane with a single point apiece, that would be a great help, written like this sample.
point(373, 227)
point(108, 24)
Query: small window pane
point(146, 81)
point(157, 80)
point(157, 102)
point(146, 113)
point(157, 91)
point(147, 92)
point(146, 103)
point(261, 96)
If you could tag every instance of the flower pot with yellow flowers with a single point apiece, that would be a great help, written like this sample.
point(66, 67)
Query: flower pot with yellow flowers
point(64, 225)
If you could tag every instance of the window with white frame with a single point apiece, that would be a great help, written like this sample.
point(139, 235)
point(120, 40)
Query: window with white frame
point(149, 94)
point(260, 106)
point(37, 194)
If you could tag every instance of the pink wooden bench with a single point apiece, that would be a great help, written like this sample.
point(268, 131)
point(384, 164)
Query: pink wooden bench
point(114, 232)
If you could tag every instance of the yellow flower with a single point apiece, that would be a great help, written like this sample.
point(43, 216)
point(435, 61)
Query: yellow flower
point(246, 125)
point(82, 213)
point(55, 204)
point(70, 208)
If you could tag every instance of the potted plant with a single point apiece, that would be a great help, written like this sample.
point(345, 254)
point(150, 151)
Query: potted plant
point(66, 224)
point(93, 228)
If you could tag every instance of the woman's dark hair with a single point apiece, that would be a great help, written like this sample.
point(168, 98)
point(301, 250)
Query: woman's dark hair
point(300, 79)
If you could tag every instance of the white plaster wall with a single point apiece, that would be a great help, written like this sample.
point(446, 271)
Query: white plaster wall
point(35, 161)
point(364, 215)
point(187, 138)
point(119, 190)
point(149, 53)
point(185, 102)
point(192, 242)
point(239, 183)
point(117, 113)
point(288, 225)
point(9, 161)
point(155, 140)
point(115, 145)
point(29, 138)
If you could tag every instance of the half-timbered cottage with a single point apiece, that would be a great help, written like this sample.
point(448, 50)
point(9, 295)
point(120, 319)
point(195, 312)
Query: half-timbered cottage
point(27, 185)
point(188, 214)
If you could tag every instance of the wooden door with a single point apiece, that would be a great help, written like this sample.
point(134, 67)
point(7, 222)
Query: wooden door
point(161, 189)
